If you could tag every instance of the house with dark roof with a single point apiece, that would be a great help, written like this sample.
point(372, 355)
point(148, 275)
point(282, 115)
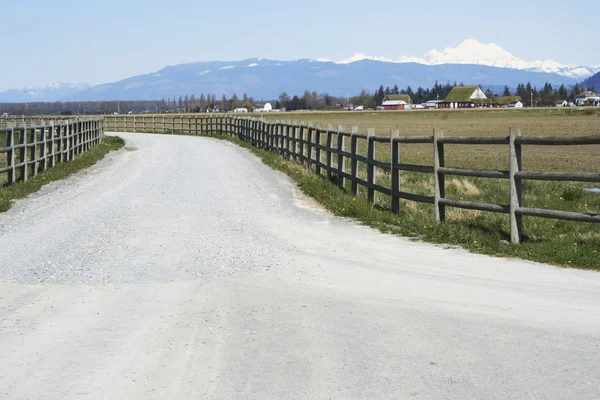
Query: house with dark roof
point(466, 97)
point(587, 98)
point(398, 97)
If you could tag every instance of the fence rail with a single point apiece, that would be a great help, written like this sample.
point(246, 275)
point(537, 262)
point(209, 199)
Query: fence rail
point(27, 150)
point(316, 148)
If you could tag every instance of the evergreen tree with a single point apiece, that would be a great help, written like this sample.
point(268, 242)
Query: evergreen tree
point(506, 91)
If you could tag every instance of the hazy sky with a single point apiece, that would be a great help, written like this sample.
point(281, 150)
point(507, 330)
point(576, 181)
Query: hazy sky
point(46, 41)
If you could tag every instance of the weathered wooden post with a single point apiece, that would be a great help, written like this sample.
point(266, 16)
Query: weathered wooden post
point(23, 155)
point(394, 171)
point(11, 154)
point(318, 150)
point(341, 165)
point(33, 153)
point(329, 155)
point(60, 142)
point(438, 178)
point(43, 147)
point(516, 194)
point(354, 161)
point(309, 144)
point(370, 165)
point(52, 154)
point(288, 140)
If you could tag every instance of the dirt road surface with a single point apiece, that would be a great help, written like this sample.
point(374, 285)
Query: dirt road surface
point(183, 268)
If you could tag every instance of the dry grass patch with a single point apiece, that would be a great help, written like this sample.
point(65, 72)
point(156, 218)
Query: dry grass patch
point(460, 214)
point(464, 187)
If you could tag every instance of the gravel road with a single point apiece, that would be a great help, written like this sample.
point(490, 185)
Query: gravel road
point(183, 267)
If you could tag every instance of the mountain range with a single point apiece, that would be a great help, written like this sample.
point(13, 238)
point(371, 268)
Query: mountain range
point(473, 52)
point(471, 62)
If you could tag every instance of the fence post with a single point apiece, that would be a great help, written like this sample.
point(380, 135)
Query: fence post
point(60, 143)
point(11, 155)
point(341, 165)
point(52, 153)
point(329, 139)
point(394, 172)
point(43, 150)
point(309, 144)
point(23, 155)
point(438, 179)
point(354, 161)
point(294, 143)
point(516, 197)
point(318, 150)
point(288, 146)
point(370, 165)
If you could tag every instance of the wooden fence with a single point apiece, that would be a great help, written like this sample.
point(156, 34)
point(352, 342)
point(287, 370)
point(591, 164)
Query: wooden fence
point(27, 150)
point(316, 147)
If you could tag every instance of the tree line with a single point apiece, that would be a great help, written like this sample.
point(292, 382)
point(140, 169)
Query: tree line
point(309, 100)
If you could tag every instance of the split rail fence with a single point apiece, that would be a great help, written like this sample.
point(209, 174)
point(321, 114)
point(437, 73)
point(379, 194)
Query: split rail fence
point(316, 148)
point(27, 150)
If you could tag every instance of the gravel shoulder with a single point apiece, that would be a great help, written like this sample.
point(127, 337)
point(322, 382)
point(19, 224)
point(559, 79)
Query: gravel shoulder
point(185, 268)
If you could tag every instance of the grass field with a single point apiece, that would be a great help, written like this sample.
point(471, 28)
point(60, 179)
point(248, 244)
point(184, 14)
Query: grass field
point(538, 122)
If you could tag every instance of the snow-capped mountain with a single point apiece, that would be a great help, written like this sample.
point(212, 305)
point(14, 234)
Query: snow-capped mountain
point(473, 52)
point(51, 92)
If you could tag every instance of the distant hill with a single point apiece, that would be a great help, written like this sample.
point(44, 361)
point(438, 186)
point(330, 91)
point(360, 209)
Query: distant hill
point(266, 79)
point(592, 81)
point(51, 92)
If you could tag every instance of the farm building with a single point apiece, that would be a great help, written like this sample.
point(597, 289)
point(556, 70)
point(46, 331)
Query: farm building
point(240, 110)
point(263, 107)
point(398, 97)
point(515, 104)
point(561, 103)
point(465, 97)
point(507, 101)
point(432, 104)
point(394, 105)
point(587, 98)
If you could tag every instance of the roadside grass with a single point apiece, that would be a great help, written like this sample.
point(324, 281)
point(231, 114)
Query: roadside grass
point(8, 194)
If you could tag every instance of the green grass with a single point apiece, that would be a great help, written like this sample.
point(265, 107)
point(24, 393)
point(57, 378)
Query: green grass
point(19, 190)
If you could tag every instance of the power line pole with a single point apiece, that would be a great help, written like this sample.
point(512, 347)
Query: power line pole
point(347, 98)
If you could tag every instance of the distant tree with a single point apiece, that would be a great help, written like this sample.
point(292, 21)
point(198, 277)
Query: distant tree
point(235, 102)
point(224, 104)
point(284, 99)
point(395, 90)
point(248, 106)
point(506, 91)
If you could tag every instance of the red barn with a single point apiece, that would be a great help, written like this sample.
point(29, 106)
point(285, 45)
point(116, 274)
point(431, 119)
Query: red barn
point(393, 105)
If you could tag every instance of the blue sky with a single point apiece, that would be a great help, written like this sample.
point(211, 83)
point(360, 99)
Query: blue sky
point(48, 41)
